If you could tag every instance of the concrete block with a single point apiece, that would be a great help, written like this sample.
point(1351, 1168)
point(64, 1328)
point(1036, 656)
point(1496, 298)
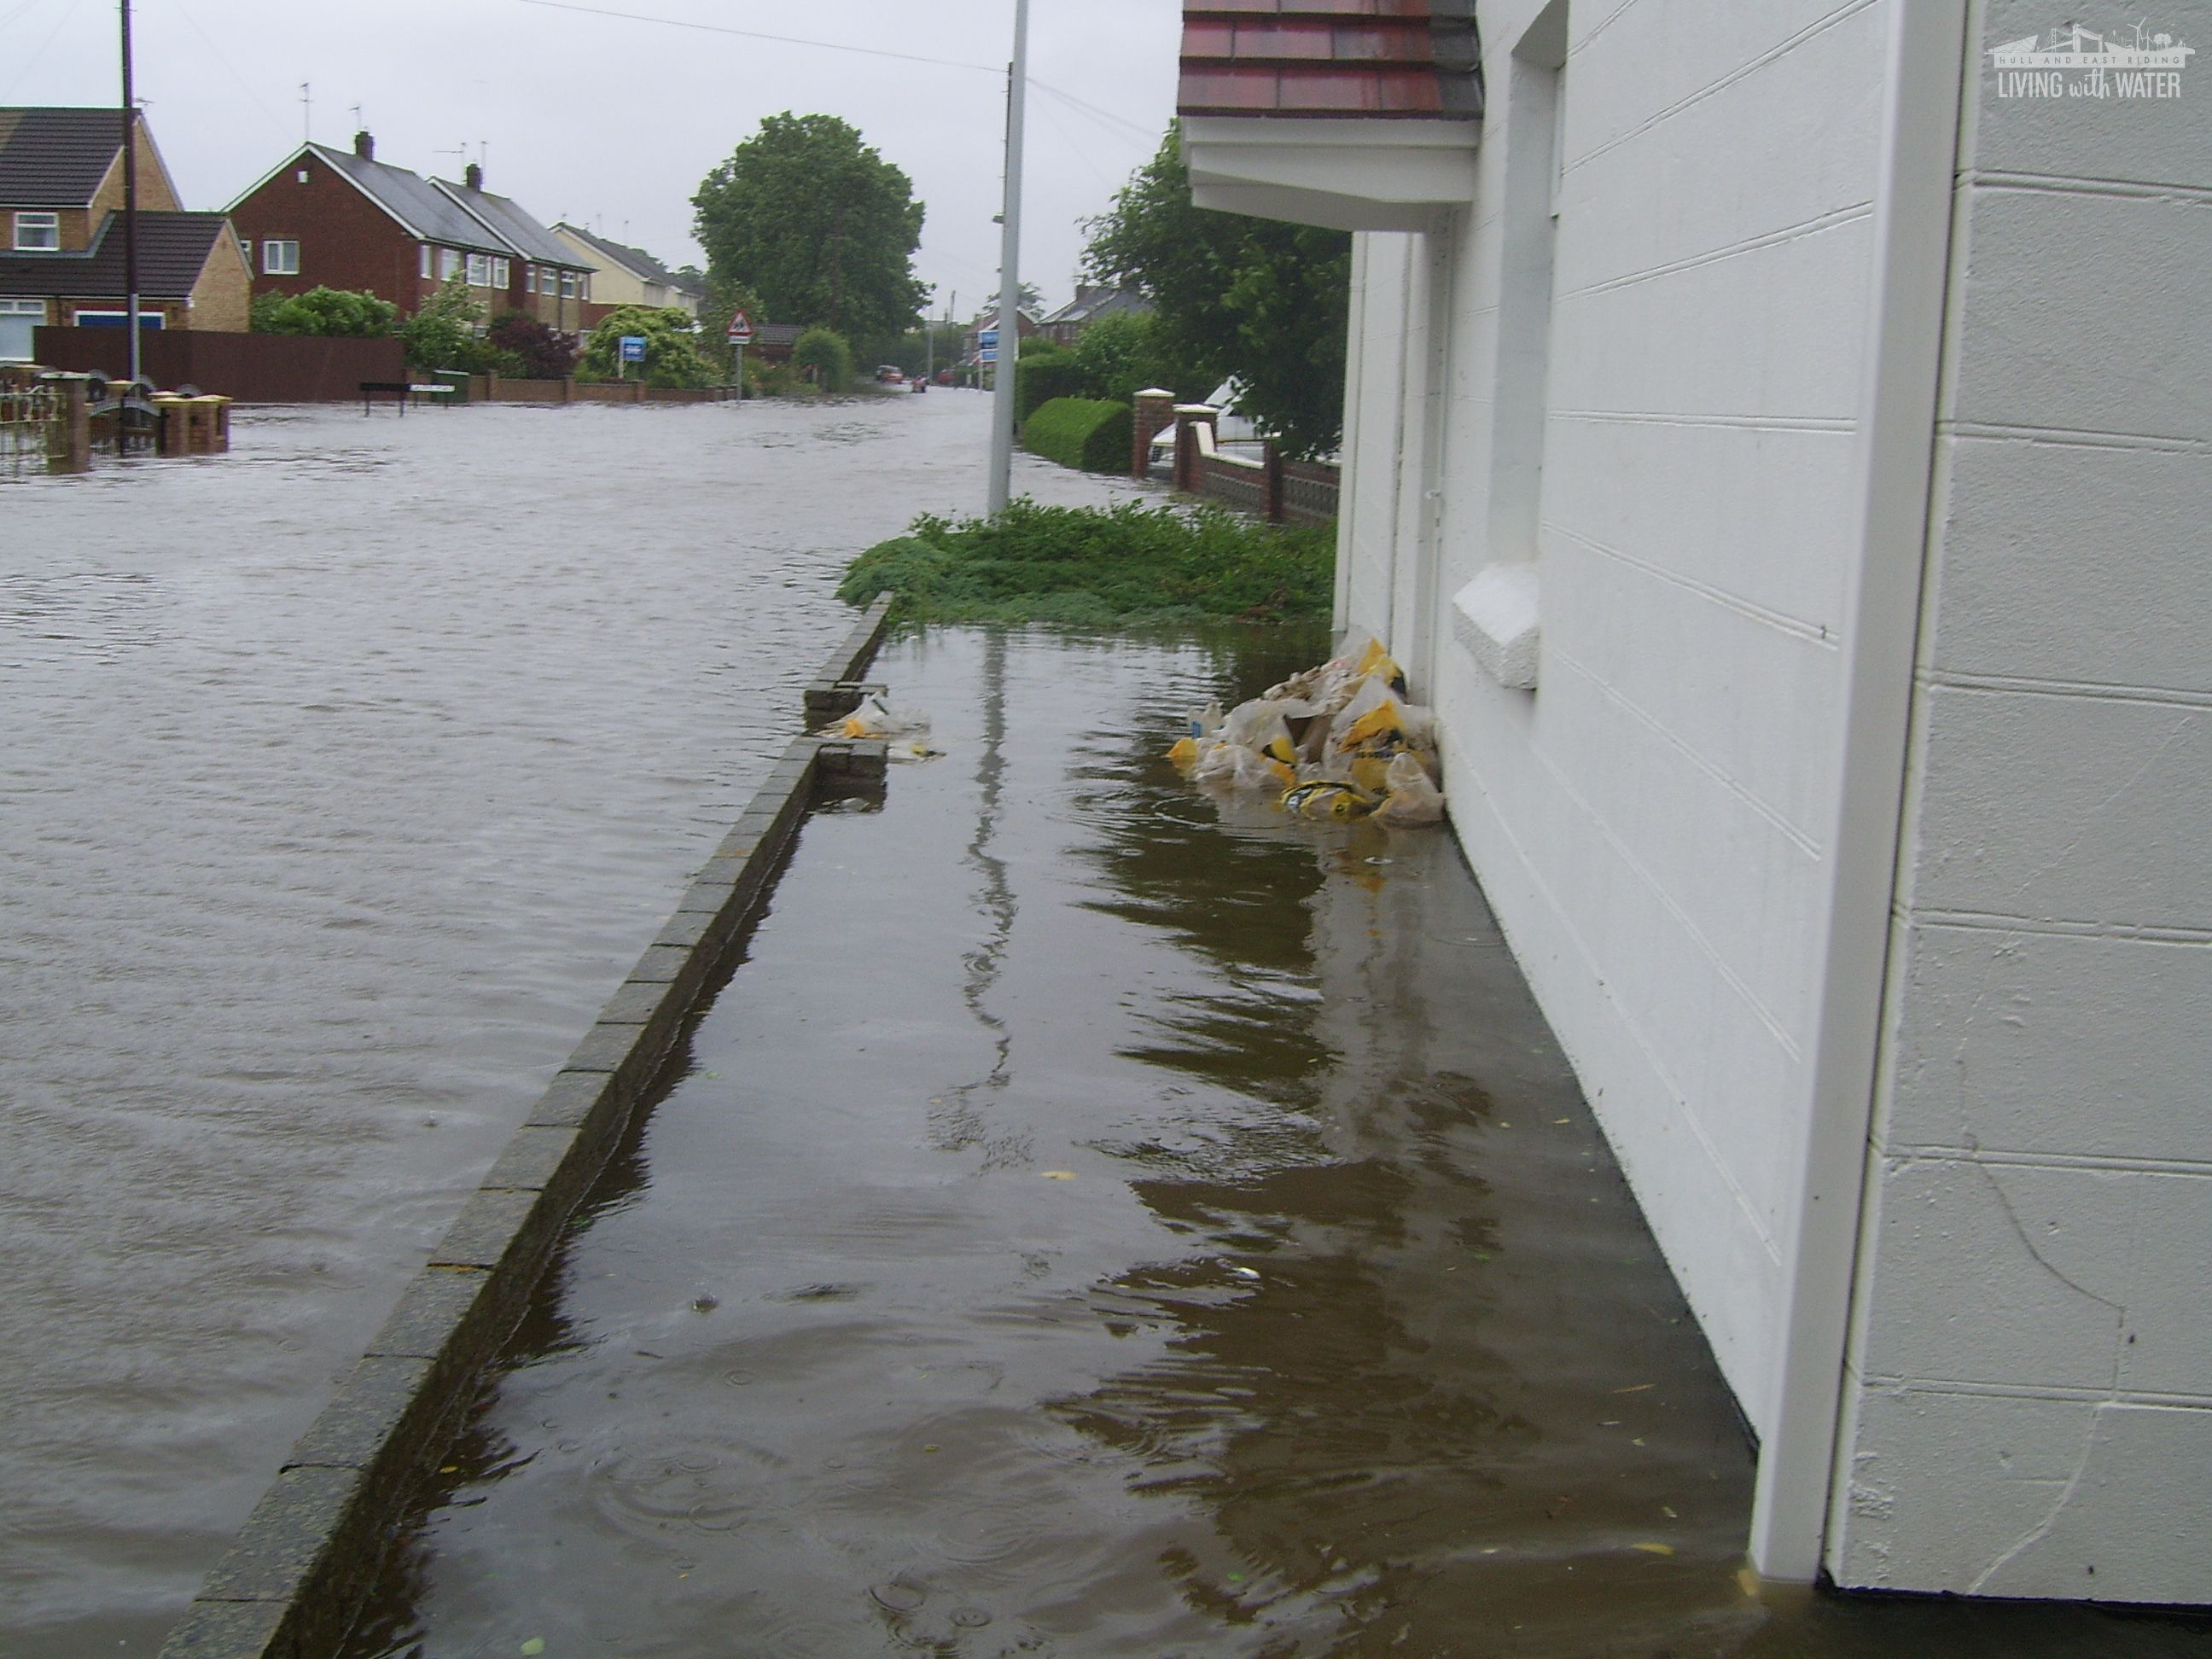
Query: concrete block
point(439, 1306)
point(687, 929)
point(2040, 344)
point(497, 1230)
point(1998, 1274)
point(358, 1427)
point(2003, 1496)
point(2065, 808)
point(719, 901)
point(2050, 1044)
point(232, 1629)
point(289, 1537)
point(571, 1099)
point(2168, 1349)
point(639, 1002)
point(532, 1160)
point(2071, 563)
point(721, 871)
point(2147, 141)
point(612, 1046)
point(663, 964)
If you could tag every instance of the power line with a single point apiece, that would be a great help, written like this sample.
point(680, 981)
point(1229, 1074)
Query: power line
point(757, 34)
point(32, 62)
point(230, 68)
point(1093, 110)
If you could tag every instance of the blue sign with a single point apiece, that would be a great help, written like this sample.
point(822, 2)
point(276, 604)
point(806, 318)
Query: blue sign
point(633, 348)
point(988, 336)
point(988, 355)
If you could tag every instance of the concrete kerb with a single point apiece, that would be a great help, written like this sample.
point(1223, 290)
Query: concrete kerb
point(307, 1559)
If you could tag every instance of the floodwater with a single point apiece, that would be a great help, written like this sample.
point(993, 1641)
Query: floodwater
point(1095, 1220)
point(341, 779)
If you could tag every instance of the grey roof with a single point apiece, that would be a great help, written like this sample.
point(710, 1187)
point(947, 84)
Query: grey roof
point(522, 233)
point(172, 251)
point(415, 202)
point(641, 263)
point(56, 157)
point(1098, 302)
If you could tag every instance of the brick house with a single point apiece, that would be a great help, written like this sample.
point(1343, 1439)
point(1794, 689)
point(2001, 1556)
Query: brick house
point(1065, 326)
point(629, 276)
point(333, 218)
point(62, 235)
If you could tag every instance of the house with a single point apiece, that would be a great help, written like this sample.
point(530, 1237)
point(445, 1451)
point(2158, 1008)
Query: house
point(1065, 326)
point(1752, 452)
point(331, 218)
point(971, 343)
point(773, 343)
point(63, 259)
point(629, 276)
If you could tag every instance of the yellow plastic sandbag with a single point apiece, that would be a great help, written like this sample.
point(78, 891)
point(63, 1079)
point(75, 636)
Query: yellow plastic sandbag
point(1328, 798)
point(1414, 800)
point(1184, 754)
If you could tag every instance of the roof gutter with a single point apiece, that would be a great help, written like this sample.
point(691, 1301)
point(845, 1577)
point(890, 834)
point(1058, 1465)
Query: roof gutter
point(1927, 69)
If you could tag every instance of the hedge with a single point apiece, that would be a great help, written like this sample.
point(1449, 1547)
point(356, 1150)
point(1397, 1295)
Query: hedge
point(1042, 375)
point(1081, 431)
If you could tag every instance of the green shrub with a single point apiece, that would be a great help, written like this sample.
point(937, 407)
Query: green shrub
point(442, 333)
point(340, 312)
point(1044, 372)
point(826, 352)
point(1096, 568)
point(672, 348)
point(1080, 432)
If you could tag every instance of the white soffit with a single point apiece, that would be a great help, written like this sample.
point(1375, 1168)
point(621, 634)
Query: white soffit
point(1342, 173)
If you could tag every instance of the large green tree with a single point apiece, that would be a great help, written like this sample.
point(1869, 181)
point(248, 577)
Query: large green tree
point(818, 225)
point(1264, 303)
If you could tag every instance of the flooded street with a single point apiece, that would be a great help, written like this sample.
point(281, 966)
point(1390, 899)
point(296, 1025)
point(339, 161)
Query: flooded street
point(1093, 1221)
point(341, 779)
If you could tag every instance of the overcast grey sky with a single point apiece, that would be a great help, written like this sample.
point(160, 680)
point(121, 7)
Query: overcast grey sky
point(613, 123)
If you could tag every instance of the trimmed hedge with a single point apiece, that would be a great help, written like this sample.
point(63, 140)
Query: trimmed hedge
point(1044, 372)
point(1081, 431)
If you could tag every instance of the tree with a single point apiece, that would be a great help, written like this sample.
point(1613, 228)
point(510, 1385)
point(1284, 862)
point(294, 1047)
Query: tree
point(825, 352)
point(1121, 355)
point(327, 311)
point(817, 225)
point(1263, 303)
point(1028, 297)
point(442, 333)
point(672, 354)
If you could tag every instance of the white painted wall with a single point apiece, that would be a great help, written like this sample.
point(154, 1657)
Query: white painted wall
point(2030, 1411)
point(1647, 823)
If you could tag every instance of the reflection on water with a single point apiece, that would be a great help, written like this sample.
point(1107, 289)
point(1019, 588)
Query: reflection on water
point(341, 778)
point(1097, 1220)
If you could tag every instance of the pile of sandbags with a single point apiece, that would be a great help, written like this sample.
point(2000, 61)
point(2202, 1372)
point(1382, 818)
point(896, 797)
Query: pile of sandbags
point(1336, 742)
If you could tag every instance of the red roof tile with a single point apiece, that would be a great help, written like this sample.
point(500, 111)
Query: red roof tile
point(1331, 57)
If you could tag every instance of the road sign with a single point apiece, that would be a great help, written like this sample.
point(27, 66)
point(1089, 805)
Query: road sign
point(633, 348)
point(988, 355)
point(741, 330)
point(987, 337)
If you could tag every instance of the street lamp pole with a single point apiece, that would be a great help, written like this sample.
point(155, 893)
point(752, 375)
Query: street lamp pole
point(1010, 271)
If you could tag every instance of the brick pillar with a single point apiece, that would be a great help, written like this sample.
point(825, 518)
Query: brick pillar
point(70, 443)
point(1271, 482)
point(1155, 414)
point(1188, 473)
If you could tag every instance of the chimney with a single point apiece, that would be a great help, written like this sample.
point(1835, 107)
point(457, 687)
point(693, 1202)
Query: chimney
point(473, 176)
point(364, 146)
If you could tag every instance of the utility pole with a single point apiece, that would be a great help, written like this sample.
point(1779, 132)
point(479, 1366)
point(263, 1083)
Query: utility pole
point(130, 200)
point(1010, 271)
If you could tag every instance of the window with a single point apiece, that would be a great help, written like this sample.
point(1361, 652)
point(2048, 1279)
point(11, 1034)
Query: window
point(584, 286)
point(568, 284)
point(38, 233)
point(18, 319)
point(449, 261)
point(549, 282)
point(246, 248)
point(530, 279)
point(479, 270)
point(149, 320)
point(502, 273)
point(280, 256)
point(426, 259)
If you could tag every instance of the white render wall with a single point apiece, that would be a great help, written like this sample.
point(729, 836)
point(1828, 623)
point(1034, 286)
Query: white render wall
point(2030, 1411)
point(1647, 823)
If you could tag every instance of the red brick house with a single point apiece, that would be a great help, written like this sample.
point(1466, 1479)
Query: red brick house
point(333, 218)
point(61, 234)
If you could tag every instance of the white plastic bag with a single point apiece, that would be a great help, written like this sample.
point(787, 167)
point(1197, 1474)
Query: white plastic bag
point(1414, 800)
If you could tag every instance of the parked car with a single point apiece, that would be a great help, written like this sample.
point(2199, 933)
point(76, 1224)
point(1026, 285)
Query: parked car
point(890, 374)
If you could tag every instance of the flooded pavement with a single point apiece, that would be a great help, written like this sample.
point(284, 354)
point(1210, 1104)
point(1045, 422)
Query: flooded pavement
point(341, 778)
point(1091, 1221)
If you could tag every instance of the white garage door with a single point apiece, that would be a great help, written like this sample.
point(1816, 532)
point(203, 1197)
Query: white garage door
point(17, 318)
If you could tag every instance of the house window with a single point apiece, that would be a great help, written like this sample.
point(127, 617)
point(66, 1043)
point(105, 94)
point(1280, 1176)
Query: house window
point(148, 321)
point(38, 233)
point(449, 261)
point(568, 284)
point(550, 281)
point(18, 318)
point(479, 270)
point(502, 273)
point(280, 256)
point(426, 261)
